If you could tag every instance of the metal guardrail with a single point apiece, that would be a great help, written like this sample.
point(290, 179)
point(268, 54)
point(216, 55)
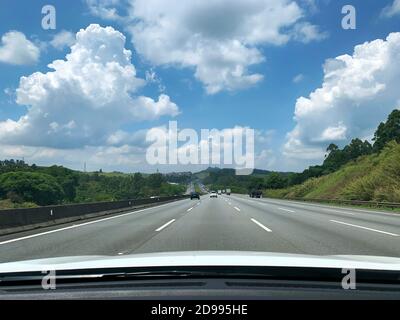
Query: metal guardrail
point(372, 204)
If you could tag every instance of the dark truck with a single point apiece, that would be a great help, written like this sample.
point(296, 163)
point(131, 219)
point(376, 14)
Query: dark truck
point(194, 195)
point(255, 194)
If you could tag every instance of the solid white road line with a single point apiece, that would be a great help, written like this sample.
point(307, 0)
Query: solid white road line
point(165, 225)
point(344, 212)
point(261, 225)
point(365, 228)
point(236, 208)
point(301, 204)
point(305, 208)
point(287, 210)
point(80, 225)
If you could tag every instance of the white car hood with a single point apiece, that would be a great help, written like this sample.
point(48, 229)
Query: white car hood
point(205, 258)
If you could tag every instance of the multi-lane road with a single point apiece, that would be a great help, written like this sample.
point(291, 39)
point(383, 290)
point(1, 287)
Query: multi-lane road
point(233, 222)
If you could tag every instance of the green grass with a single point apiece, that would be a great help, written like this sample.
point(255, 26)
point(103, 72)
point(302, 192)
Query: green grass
point(371, 178)
point(7, 204)
point(197, 189)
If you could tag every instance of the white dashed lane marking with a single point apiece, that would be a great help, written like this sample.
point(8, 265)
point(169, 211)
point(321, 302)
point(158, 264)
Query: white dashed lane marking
point(165, 225)
point(261, 225)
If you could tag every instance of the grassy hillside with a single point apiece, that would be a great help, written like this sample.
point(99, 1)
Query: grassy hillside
point(371, 177)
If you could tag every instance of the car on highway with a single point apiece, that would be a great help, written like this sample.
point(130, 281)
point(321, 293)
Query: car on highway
point(228, 192)
point(255, 194)
point(194, 195)
point(213, 194)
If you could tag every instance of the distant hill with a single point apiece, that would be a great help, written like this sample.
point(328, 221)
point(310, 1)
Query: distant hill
point(217, 178)
point(206, 172)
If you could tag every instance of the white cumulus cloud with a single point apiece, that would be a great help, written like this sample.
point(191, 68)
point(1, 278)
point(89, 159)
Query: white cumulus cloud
point(63, 39)
point(391, 10)
point(298, 78)
point(358, 92)
point(15, 48)
point(306, 32)
point(85, 98)
point(105, 9)
point(219, 39)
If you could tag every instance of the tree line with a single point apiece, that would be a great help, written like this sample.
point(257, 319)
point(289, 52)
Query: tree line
point(20, 182)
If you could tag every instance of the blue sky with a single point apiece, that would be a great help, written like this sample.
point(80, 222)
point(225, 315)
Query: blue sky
point(267, 104)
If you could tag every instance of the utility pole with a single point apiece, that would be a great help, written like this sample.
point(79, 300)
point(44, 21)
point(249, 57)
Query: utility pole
point(84, 167)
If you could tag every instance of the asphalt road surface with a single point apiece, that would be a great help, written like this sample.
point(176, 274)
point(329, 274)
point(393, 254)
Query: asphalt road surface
point(233, 222)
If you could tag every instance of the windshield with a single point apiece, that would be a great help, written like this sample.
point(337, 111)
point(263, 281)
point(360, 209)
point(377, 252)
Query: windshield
point(162, 127)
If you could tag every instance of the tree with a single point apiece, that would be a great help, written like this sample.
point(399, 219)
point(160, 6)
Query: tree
point(66, 178)
point(357, 148)
point(337, 157)
point(138, 184)
point(39, 188)
point(332, 148)
point(14, 198)
point(275, 181)
point(155, 180)
point(256, 183)
point(13, 165)
point(333, 160)
point(387, 131)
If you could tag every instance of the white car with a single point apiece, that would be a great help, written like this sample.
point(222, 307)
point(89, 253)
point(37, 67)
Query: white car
point(213, 194)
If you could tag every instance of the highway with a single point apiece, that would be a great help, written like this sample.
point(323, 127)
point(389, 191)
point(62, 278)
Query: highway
point(234, 222)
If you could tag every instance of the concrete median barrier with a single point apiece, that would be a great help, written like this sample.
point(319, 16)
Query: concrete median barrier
point(16, 220)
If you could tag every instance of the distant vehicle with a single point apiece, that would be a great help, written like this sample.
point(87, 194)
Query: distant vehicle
point(194, 195)
point(223, 191)
point(213, 194)
point(228, 192)
point(255, 194)
point(219, 192)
